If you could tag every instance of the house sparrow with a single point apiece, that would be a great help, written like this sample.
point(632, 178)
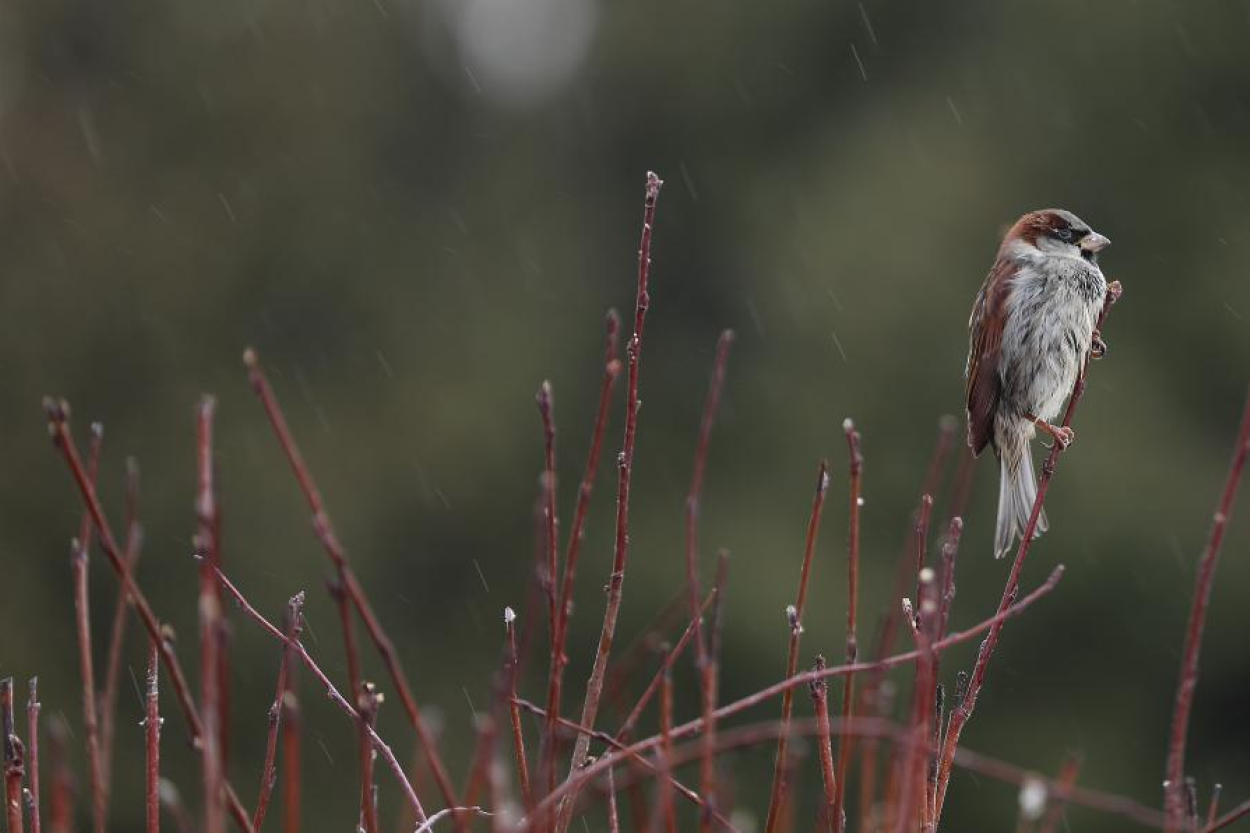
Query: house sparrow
point(1032, 327)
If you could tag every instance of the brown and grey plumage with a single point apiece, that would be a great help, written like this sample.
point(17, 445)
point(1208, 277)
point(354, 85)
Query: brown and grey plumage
point(1031, 329)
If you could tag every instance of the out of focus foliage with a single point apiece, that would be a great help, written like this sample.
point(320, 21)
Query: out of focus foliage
point(417, 211)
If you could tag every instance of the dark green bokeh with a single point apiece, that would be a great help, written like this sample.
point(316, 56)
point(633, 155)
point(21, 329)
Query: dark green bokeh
point(413, 248)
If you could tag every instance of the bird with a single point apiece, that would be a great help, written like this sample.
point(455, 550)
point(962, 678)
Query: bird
point(1032, 328)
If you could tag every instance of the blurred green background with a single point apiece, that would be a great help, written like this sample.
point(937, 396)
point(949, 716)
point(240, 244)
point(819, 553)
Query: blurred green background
point(417, 211)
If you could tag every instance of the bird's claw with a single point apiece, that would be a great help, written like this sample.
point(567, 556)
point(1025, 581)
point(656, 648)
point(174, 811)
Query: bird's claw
point(1098, 347)
point(1063, 435)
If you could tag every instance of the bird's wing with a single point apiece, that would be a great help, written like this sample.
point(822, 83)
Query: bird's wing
point(983, 383)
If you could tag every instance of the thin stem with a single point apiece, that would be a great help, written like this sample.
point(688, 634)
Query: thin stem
point(58, 424)
point(559, 659)
point(703, 660)
point(269, 776)
point(518, 737)
point(669, 660)
point(614, 823)
point(79, 558)
point(291, 737)
point(208, 544)
point(795, 615)
point(14, 765)
point(625, 468)
point(32, 754)
point(368, 702)
point(1236, 814)
point(324, 530)
point(61, 800)
point(1197, 619)
point(550, 572)
point(593, 769)
point(355, 685)
point(332, 692)
point(1214, 806)
point(665, 809)
point(1068, 772)
point(117, 633)
point(961, 714)
point(639, 759)
point(824, 744)
point(152, 733)
point(852, 614)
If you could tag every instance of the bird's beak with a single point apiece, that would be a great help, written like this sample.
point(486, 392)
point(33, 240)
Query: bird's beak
point(1094, 242)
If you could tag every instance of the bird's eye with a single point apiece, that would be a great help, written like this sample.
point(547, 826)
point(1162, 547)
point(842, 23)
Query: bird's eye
point(1064, 234)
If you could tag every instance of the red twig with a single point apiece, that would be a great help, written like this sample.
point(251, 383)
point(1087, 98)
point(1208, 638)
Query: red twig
point(332, 692)
point(32, 754)
point(820, 698)
point(550, 575)
point(614, 823)
point(79, 557)
point(703, 659)
point(637, 758)
point(961, 714)
point(1238, 813)
point(14, 765)
point(291, 737)
point(904, 573)
point(208, 544)
point(559, 659)
point(367, 703)
point(1059, 797)
point(269, 776)
point(591, 770)
point(795, 615)
point(152, 733)
point(518, 737)
point(669, 660)
point(665, 810)
point(117, 633)
point(61, 800)
point(1197, 619)
point(625, 468)
point(852, 614)
point(1214, 806)
point(355, 685)
point(58, 413)
point(324, 530)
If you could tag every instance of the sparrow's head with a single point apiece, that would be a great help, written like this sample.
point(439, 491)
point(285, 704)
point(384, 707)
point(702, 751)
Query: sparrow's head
point(1056, 232)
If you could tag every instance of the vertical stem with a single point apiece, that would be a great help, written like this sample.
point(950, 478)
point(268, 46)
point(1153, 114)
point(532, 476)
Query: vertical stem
point(625, 468)
point(819, 690)
point(14, 766)
point(1197, 619)
point(559, 659)
point(60, 801)
point(208, 544)
point(121, 615)
point(703, 661)
point(32, 754)
point(795, 615)
point(291, 737)
point(852, 614)
point(294, 628)
point(152, 733)
point(518, 737)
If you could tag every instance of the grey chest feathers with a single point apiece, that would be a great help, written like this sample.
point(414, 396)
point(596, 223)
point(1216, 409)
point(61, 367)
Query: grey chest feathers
point(1051, 313)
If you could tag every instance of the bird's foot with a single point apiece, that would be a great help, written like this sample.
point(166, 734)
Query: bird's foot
point(1062, 434)
point(1098, 347)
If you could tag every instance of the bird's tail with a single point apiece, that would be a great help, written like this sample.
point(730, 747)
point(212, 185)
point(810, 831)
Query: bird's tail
point(1017, 487)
